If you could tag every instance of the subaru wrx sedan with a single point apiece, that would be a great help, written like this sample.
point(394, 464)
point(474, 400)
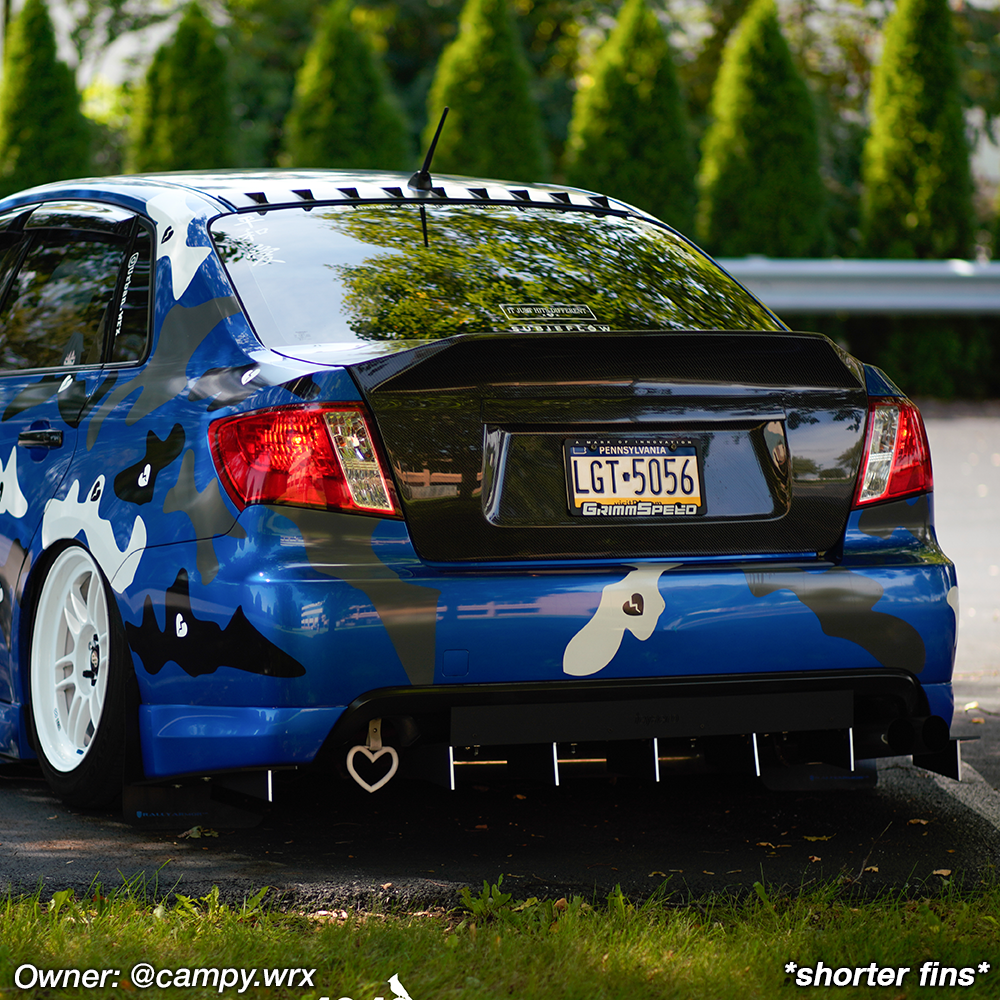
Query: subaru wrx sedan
point(301, 466)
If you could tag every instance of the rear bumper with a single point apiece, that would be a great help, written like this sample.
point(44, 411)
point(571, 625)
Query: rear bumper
point(559, 654)
point(194, 739)
point(840, 714)
point(885, 710)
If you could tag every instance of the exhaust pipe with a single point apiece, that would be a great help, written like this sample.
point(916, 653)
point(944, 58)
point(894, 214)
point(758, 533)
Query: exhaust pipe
point(934, 734)
point(900, 737)
point(928, 734)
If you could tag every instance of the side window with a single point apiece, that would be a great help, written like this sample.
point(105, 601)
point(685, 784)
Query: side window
point(10, 250)
point(55, 310)
point(131, 328)
point(12, 242)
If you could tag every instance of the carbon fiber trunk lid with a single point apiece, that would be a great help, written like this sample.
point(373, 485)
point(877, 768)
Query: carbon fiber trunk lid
point(478, 430)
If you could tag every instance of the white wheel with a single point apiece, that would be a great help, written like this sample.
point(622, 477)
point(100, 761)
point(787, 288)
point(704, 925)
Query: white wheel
point(76, 707)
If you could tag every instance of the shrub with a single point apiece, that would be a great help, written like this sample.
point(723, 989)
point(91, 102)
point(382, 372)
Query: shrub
point(267, 44)
point(917, 199)
point(941, 356)
point(181, 118)
point(761, 190)
point(494, 127)
point(343, 113)
point(629, 134)
point(43, 134)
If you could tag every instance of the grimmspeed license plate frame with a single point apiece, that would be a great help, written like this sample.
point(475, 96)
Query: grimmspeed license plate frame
point(649, 477)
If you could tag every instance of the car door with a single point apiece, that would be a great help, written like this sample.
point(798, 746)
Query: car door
point(62, 274)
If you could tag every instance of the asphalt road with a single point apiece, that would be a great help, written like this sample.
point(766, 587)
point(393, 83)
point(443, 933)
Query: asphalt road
point(417, 842)
point(327, 843)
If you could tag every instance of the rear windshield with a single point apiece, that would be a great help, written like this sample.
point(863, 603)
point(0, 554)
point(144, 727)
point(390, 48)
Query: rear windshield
point(406, 272)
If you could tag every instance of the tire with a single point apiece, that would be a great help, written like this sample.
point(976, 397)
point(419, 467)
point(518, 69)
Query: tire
point(77, 679)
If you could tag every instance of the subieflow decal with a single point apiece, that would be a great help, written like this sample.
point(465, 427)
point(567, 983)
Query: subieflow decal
point(633, 604)
point(12, 500)
point(67, 518)
point(173, 217)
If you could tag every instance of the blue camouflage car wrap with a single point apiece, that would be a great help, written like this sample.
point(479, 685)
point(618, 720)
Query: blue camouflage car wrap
point(251, 631)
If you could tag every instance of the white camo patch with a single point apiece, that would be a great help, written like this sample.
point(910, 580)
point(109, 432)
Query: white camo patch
point(67, 518)
point(173, 216)
point(633, 604)
point(12, 500)
point(953, 601)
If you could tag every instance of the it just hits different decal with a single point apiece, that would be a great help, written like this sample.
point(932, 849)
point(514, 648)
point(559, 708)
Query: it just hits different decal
point(67, 518)
point(201, 647)
point(630, 605)
point(843, 602)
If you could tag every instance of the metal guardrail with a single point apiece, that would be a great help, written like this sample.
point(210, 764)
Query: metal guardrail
point(869, 286)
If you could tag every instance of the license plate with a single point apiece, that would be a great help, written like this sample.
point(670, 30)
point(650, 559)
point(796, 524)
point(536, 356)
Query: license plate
point(633, 477)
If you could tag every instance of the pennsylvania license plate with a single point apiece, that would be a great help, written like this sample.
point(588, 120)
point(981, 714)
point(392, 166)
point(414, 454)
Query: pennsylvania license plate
point(633, 477)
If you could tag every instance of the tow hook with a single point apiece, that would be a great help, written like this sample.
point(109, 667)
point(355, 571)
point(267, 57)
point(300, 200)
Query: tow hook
point(373, 750)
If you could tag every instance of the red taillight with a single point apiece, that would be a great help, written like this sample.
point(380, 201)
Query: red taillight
point(897, 458)
point(322, 456)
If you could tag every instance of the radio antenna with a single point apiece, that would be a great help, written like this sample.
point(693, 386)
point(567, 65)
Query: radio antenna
point(421, 180)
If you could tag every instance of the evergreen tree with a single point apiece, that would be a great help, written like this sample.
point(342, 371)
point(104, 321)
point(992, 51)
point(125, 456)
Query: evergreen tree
point(146, 149)
point(629, 133)
point(343, 113)
point(43, 134)
point(917, 198)
point(494, 127)
point(267, 43)
point(698, 75)
point(761, 190)
point(181, 118)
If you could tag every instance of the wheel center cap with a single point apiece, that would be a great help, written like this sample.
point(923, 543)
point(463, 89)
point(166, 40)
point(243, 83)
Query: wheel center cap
point(95, 659)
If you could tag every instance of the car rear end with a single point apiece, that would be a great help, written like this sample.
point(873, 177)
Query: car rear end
point(560, 539)
point(785, 605)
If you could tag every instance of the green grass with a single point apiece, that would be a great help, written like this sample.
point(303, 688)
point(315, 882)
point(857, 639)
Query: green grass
point(495, 946)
